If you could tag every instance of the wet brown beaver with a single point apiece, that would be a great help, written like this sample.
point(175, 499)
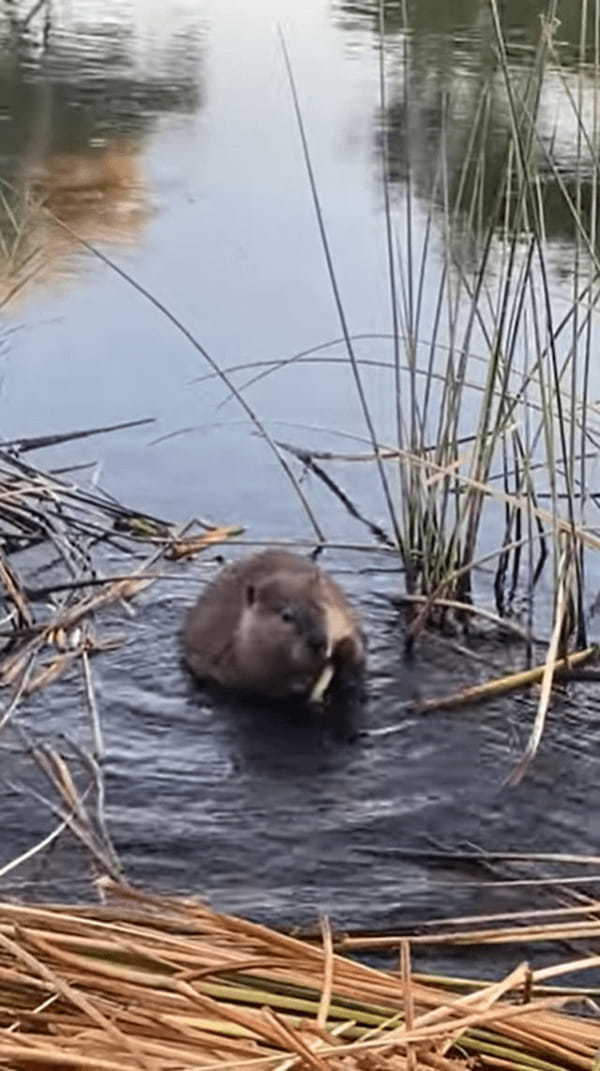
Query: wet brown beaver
point(275, 625)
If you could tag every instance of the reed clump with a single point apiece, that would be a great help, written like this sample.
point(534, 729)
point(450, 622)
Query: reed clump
point(483, 458)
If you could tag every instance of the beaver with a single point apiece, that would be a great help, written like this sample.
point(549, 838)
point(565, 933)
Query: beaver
point(274, 625)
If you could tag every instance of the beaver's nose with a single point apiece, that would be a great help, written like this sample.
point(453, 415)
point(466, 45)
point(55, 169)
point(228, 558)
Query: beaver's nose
point(317, 641)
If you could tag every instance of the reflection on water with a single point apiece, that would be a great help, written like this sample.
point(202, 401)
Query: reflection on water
point(443, 74)
point(444, 29)
point(99, 194)
point(79, 91)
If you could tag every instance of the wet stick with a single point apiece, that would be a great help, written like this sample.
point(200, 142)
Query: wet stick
point(501, 685)
point(489, 690)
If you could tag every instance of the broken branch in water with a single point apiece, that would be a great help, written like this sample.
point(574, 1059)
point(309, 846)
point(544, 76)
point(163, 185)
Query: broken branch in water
point(488, 690)
point(36, 442)
point(502, 685)
point(307, 459)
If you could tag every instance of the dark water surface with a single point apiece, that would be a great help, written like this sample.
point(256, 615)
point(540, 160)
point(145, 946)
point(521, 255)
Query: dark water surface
point(164, 134)
point(282, 817)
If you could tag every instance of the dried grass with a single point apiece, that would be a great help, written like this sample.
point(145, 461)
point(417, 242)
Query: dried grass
point(170, 985)
point(49, 629)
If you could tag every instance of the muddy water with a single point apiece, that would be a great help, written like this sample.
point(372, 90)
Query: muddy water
point(170, 144)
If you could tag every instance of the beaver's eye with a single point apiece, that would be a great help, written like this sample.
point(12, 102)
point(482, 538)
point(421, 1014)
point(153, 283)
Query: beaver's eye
point(286, 615)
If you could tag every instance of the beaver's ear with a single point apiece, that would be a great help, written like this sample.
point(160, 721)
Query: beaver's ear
point(250, 594)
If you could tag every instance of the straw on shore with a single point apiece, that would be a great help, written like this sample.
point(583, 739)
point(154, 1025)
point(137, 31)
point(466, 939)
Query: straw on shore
point(170, 985)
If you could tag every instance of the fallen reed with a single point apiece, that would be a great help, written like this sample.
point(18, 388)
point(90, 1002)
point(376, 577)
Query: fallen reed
point(66, 528)
point(170, 985)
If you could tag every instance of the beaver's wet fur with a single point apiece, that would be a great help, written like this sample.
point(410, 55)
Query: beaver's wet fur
point(270, 625)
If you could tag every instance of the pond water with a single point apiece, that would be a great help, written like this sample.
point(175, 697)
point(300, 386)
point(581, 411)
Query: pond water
point(164, 135)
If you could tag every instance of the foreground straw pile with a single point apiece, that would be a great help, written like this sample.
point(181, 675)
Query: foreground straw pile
point(169, 985)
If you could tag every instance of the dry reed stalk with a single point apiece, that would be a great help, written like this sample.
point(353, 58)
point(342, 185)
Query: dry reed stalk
point(409, 1007)
point(503, 623)
point(14, 590)
point(186, 548)
point(38, 508)
point(502, 685)
point(564, 588)
point(65, 990)
point(74, 813)
point(499, 935)
point(137, 989)
point(325, 1002)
